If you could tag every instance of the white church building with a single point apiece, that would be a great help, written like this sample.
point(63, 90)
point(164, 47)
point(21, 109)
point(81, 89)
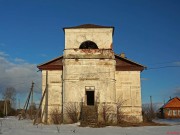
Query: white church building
point(89, 73)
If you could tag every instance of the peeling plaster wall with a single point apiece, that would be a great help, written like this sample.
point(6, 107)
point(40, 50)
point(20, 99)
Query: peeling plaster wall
point(89, 67)
point(96, 73)
point(101, 36)
point(94, 68)
point(89, 54)
point(54, 93)
point(81, 74)
point(128, 91)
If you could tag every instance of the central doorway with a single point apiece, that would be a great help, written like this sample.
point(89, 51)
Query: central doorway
point(90, 97)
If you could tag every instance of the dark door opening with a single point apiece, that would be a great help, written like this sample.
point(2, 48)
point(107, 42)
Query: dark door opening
point(90, 97)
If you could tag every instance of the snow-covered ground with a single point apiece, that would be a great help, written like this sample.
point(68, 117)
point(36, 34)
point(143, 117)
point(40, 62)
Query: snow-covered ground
point(168, 121)
point(12, 126)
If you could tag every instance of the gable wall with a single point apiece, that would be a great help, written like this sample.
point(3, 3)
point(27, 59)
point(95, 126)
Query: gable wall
point(54, 84)
point(128, 91)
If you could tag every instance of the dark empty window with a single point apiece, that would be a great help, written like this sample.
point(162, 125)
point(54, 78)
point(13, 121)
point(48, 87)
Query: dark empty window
point(90, 97)
point(88, 45)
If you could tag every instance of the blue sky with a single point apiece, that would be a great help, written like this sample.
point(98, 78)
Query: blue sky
point(148, 31)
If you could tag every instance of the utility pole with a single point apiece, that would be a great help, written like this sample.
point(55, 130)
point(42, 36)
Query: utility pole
point(19, 104)
point(32, 106)
point(62, 95)
point(151, 103)
point(46, 99)
point(43, 116)
point(32, 93)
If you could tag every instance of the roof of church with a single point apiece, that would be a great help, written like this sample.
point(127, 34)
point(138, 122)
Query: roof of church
point(55, 63)
point(122, 64)
point(88, 26)
point(125, 58)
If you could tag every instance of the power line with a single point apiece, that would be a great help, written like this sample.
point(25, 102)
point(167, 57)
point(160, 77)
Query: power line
point(17, 84)
point(13, 85)
point(162, 67)
point(166, 62)
point(37, 86)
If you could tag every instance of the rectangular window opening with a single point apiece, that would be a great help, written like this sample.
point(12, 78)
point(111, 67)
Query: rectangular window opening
point(90, 97)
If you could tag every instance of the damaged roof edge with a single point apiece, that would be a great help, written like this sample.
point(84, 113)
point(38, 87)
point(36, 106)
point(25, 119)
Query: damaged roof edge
point(116, 55)
point(88, 26)
point(49, 61)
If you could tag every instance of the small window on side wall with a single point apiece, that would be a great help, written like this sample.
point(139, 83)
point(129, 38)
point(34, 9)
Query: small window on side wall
point(174, 112)
point(169, 112)
point(88, 45)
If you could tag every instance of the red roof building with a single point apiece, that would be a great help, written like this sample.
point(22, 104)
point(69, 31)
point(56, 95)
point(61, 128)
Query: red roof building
point(171, 109)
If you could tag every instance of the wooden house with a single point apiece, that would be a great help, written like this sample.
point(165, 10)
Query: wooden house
point(171, 109)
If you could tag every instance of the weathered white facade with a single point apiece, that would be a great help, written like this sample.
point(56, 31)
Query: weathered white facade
point(89, 73)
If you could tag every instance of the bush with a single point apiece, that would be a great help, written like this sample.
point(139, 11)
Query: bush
point(56, 116)
point(72, 111)
point(120, 113)
point(148, 113)
point(12, 112)
point(106, 113)
point(1, 115)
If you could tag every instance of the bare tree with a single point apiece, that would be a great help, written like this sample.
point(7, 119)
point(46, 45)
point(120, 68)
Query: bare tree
point(56, 116)
point(10, 94)
point(120, 112)
point(72, 110)
point(148, 112)
point(106, 113)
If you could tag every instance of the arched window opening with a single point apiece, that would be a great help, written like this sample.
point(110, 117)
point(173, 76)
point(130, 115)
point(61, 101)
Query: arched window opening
point(88, 45)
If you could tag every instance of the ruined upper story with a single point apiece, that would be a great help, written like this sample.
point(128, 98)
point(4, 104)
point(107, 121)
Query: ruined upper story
point(89, 41)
